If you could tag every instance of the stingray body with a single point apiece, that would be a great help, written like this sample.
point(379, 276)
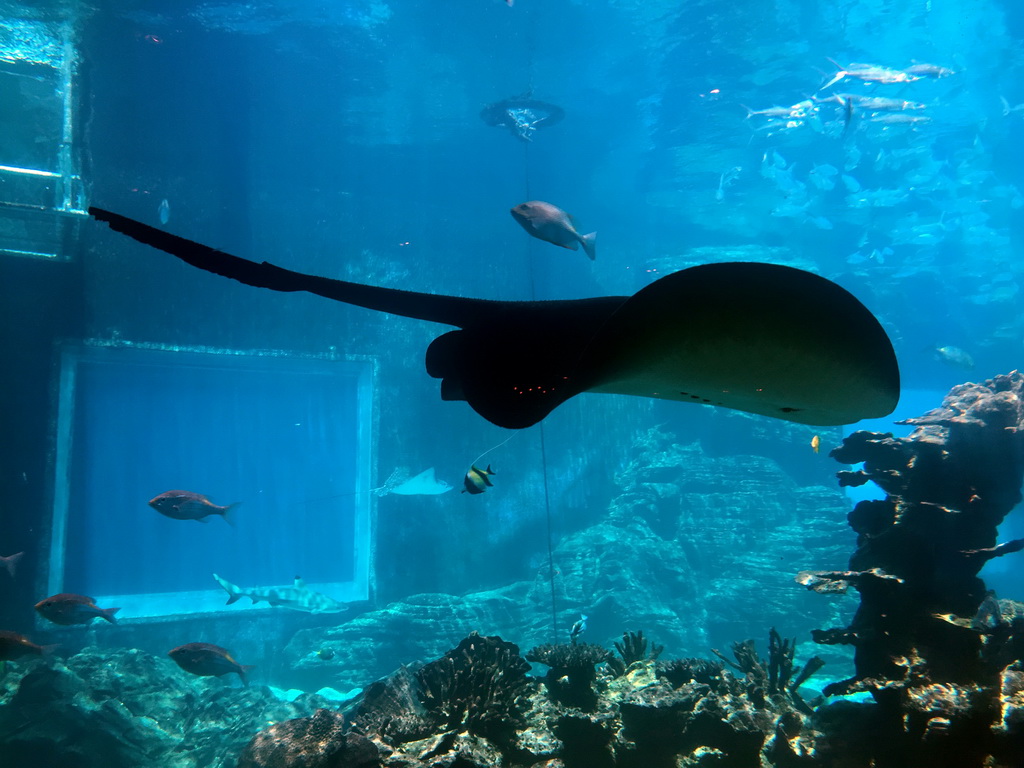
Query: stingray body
point(760, 338)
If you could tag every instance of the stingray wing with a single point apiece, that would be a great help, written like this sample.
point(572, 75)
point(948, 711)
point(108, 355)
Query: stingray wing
point(511, 361)
point(761, 338)
point(756, 337)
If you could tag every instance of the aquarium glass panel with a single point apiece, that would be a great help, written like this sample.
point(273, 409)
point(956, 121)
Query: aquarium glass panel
point(285, 439)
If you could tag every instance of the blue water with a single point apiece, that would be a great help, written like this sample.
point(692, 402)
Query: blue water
point(346, 140)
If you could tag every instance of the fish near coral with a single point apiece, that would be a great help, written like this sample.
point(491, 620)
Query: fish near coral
point(478, 480)
point(14, 646)
point(955, 357)
point(68, 609)
point(734, 335)
point(186, 505)
point(207, 660)
point(550, 223)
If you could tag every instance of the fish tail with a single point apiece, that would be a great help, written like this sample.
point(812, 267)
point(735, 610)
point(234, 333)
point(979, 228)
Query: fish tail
point(589, 243)
point(233, 592)
point(243, 670)
point(11, 562)
point(226, 513)
point(108, 614)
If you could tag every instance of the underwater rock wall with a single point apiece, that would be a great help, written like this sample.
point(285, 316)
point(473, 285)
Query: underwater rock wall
point(696, 550)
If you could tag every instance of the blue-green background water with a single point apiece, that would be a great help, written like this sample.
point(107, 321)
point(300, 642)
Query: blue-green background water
point(346, 140)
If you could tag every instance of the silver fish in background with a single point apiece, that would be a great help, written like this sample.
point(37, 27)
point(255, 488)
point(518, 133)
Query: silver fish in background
point(550, 223)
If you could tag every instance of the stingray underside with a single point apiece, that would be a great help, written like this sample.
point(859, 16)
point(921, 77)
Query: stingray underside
point(761, 338)
point(521, 362)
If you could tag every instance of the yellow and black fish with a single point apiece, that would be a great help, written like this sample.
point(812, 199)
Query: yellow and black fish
point(478, 480)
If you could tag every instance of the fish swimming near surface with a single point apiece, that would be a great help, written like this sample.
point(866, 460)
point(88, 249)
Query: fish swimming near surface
point(478, 480)
point(760, 338)
point(69, 609)
point(10, 562)
point(208, 660)
point(185, 505)
point(298, 597)
point(550, 223)
point(14, 646)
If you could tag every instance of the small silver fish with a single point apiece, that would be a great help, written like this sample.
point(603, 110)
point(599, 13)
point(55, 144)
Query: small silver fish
point(164, 211)
point(550, 223)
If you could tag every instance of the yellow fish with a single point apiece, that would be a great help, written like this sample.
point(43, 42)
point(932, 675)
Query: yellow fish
point(477, 480)
point(815, 443)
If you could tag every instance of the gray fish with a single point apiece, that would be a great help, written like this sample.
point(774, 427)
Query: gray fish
point(760, 338)
point(69, 609)
point(208, 660)
point(186, 505)
point(298, 597)
point(550, 223)
point(955, 357)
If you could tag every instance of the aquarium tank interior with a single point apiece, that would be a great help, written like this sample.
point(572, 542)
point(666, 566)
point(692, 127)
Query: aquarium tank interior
point(512, 383)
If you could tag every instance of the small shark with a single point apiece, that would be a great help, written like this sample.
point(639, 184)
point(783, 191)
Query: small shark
point(755, 337)
point(298, 597)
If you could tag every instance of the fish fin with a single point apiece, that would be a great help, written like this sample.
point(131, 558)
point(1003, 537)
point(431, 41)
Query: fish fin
point(108, 614)
point(228, 515)
point(233, 592)
point(243, 671)
point(204, 520)
point(589, 243)
point(47, 650)
point(11, 562)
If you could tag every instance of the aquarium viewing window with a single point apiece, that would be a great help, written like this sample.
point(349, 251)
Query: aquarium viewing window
point(287, 437)
point(41, 190)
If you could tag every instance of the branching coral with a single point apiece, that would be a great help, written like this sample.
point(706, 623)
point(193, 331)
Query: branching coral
point(478, 687)
point(679, 672)
point(573, 669)
point(634, 648)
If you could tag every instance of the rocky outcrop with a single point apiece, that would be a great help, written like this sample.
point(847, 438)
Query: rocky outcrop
point(129, 709)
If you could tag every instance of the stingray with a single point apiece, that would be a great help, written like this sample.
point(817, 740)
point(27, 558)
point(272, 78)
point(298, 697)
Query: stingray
point(760, 338)
point(423, 484)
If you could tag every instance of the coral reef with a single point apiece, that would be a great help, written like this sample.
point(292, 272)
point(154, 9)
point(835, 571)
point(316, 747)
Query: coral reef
point(938, 655)
point(318, 741)
point(573, 670)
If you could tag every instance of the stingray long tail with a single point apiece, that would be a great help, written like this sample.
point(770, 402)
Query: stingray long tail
point(450, 310)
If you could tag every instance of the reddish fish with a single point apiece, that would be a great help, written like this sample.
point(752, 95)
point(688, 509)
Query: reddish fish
point(68, 609)
point(185, 505)
point(11, 561)
point(206, 660)
point(548, 222)
point(14, 646)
